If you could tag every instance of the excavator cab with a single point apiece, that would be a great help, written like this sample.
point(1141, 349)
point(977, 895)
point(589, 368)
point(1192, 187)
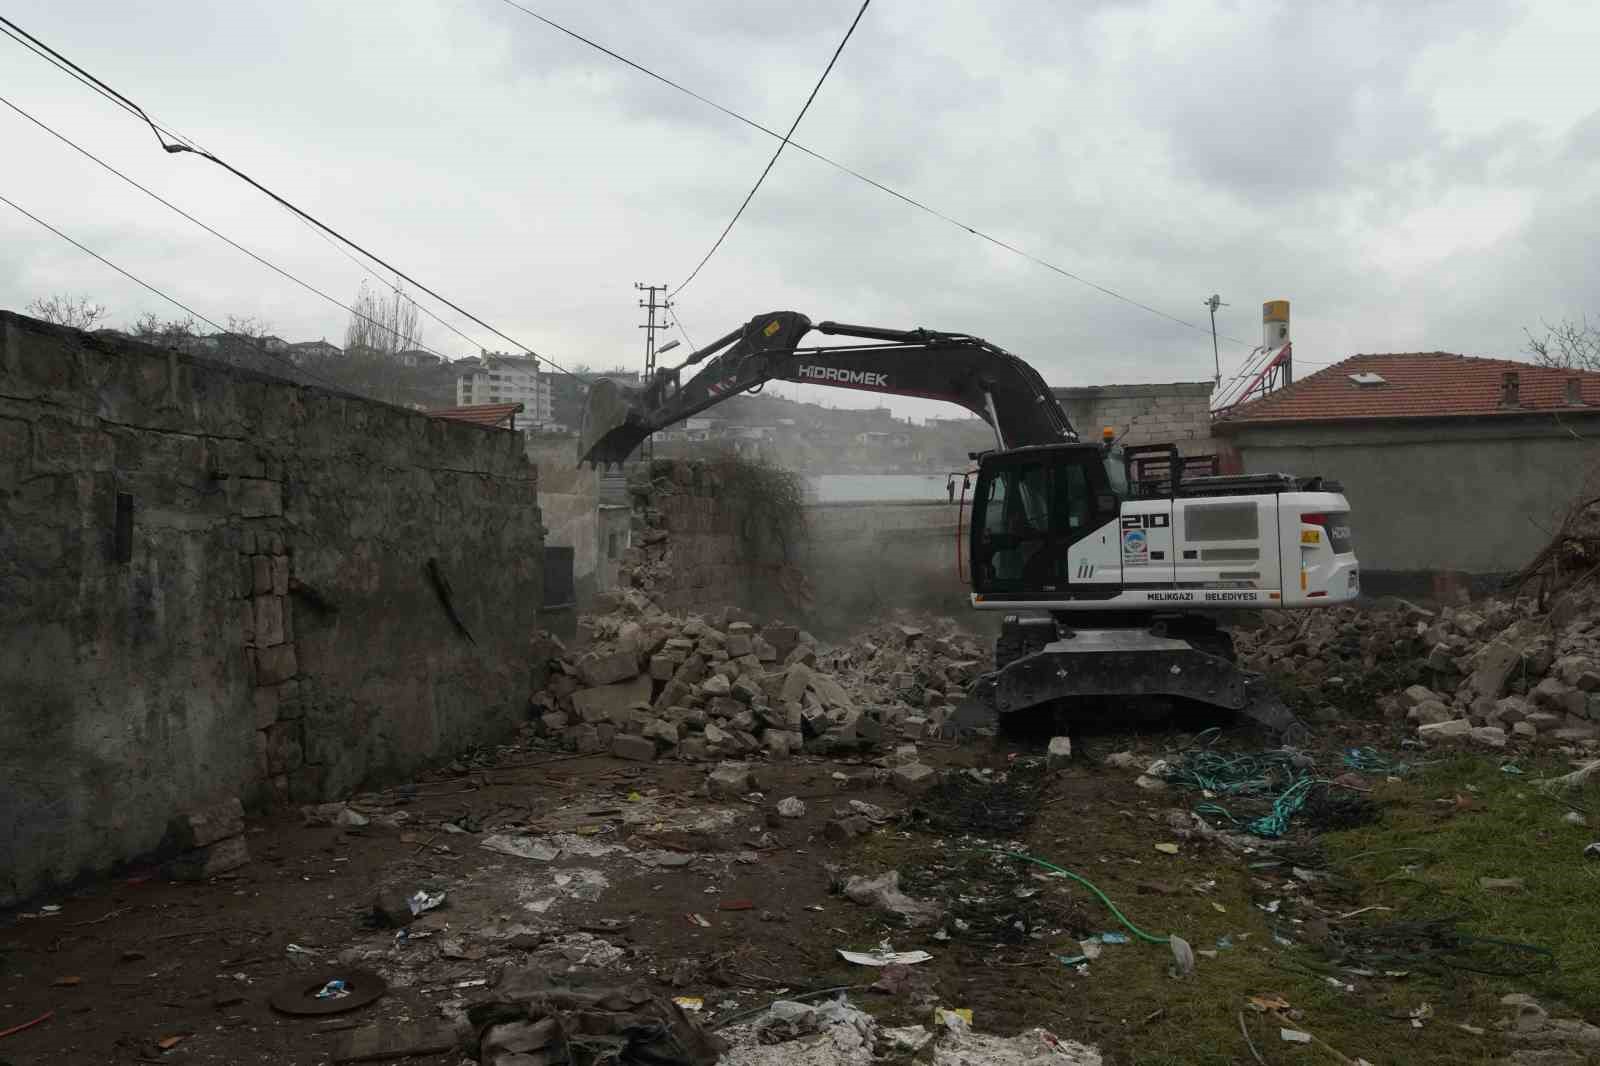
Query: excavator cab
point(1033, 510)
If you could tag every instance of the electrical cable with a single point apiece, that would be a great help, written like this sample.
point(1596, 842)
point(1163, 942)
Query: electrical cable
point(222, 237)
point(778, 151)
point(1112, 907)
point(47, 54)
point(858, 175)
point(175, 145)
point(191, 312)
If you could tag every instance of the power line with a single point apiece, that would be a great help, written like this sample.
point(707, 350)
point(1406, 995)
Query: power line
point(220, 236)
point(858, 175)
point(44, 52)
point(169, 143)
point(779, 151)
point(191, 312)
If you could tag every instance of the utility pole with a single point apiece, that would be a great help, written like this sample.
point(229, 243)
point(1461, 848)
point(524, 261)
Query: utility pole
point(650, 326)
point(1212, 304)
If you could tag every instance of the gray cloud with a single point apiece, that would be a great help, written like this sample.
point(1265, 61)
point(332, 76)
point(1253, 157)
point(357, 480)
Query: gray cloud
point(1164, 149)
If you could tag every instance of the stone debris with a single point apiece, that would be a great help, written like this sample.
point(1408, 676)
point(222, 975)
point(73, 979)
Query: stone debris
point(657, 685)
point(1496, 672)
point(213, 841)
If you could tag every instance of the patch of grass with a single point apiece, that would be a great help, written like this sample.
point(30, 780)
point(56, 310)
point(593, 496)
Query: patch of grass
point(1098, 825)
point(1507, 828)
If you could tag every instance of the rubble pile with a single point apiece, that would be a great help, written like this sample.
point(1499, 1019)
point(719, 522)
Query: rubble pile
point(653, 685)
point(1493, 672)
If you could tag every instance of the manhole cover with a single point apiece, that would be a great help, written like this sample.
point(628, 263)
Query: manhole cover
point(298, 995)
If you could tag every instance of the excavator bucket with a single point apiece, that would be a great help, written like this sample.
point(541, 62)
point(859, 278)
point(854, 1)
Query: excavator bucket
point(613, 423)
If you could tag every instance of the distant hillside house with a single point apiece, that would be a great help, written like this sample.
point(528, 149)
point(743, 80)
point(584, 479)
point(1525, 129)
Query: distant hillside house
point(417, 357)
point(312, 352)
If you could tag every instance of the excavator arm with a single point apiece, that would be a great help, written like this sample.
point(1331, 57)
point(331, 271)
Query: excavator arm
point(990, 382)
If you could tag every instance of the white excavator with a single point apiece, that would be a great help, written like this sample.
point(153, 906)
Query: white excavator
point(1116, 567)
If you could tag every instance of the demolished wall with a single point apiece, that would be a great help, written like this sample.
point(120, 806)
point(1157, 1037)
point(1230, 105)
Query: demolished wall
point(842, 564)
point(216, 583)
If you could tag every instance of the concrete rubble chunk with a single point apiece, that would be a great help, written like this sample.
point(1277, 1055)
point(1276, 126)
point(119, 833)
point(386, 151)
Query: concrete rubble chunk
point(207, 825)
point(840, 830)
point(1454, 729)
point(1489, 736)
point(207, 862)
point(1553, 694)
point(913, 779)
point(1123, 760)
point(730, 780)
point(1419, 694)
point(1059, 753)
point(605, 668)
point(716, 685)
point(1430, 712)
point(597, 704)
point(791, 807)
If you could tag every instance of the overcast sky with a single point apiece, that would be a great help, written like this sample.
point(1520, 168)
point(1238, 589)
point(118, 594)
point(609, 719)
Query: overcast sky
point(1412, 176)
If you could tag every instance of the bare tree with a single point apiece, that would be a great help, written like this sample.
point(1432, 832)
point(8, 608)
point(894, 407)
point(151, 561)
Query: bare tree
point(383, 325)
point(74, 311)
point(174, 332)
point(1567, 345)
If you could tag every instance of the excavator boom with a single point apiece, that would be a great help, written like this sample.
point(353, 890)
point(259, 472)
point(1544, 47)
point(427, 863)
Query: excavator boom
point(990, 382)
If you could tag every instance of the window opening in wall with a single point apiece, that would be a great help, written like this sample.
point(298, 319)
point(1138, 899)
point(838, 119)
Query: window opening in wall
point(611, 546)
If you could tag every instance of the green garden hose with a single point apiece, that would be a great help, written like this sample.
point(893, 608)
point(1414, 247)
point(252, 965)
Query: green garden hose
point(1134, 929)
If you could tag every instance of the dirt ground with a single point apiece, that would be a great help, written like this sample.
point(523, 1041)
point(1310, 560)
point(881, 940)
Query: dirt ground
point(726, 901)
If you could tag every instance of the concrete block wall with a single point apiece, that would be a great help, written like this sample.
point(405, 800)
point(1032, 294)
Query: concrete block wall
point(276, 625)
point(1178, 412)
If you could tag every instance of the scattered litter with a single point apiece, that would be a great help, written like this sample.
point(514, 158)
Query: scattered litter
point(334, 989)
point(167, 1043)
point(1473, 1029)
point(1420, 1015)
point(422, 901)
point(884, 893)
point(1294, 1036)
point(1091, 948)
point(694, 1004)
point(327, 993)
point(1167, 848)
point(1219, 908)
point(737, 905)
point(1182, 956)
point(296, 949)
point(792, 807)
point(1511, 768)
point(581, 883)
point(942, 1015)
point(521, 847)
point(1592, 851)
point(1267, 1002)
point(1340, 985)
point(1072, 960)
point(1115, 938)
point(695, 919)
point(1271, 907)
point(884, 958)
point(1501, 884)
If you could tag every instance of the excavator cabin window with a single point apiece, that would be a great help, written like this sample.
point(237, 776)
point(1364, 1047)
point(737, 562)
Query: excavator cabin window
point(1029, 510)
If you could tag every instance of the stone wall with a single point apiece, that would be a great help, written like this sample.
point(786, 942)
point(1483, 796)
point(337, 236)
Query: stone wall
point(851, 562)
point(217, 583)
point(1178, 412)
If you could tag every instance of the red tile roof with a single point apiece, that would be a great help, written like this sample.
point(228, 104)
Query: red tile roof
point(1418, 385)
point(484, 414)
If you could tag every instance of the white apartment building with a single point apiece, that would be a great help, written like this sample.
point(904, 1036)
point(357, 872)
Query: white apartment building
point(499, 378)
